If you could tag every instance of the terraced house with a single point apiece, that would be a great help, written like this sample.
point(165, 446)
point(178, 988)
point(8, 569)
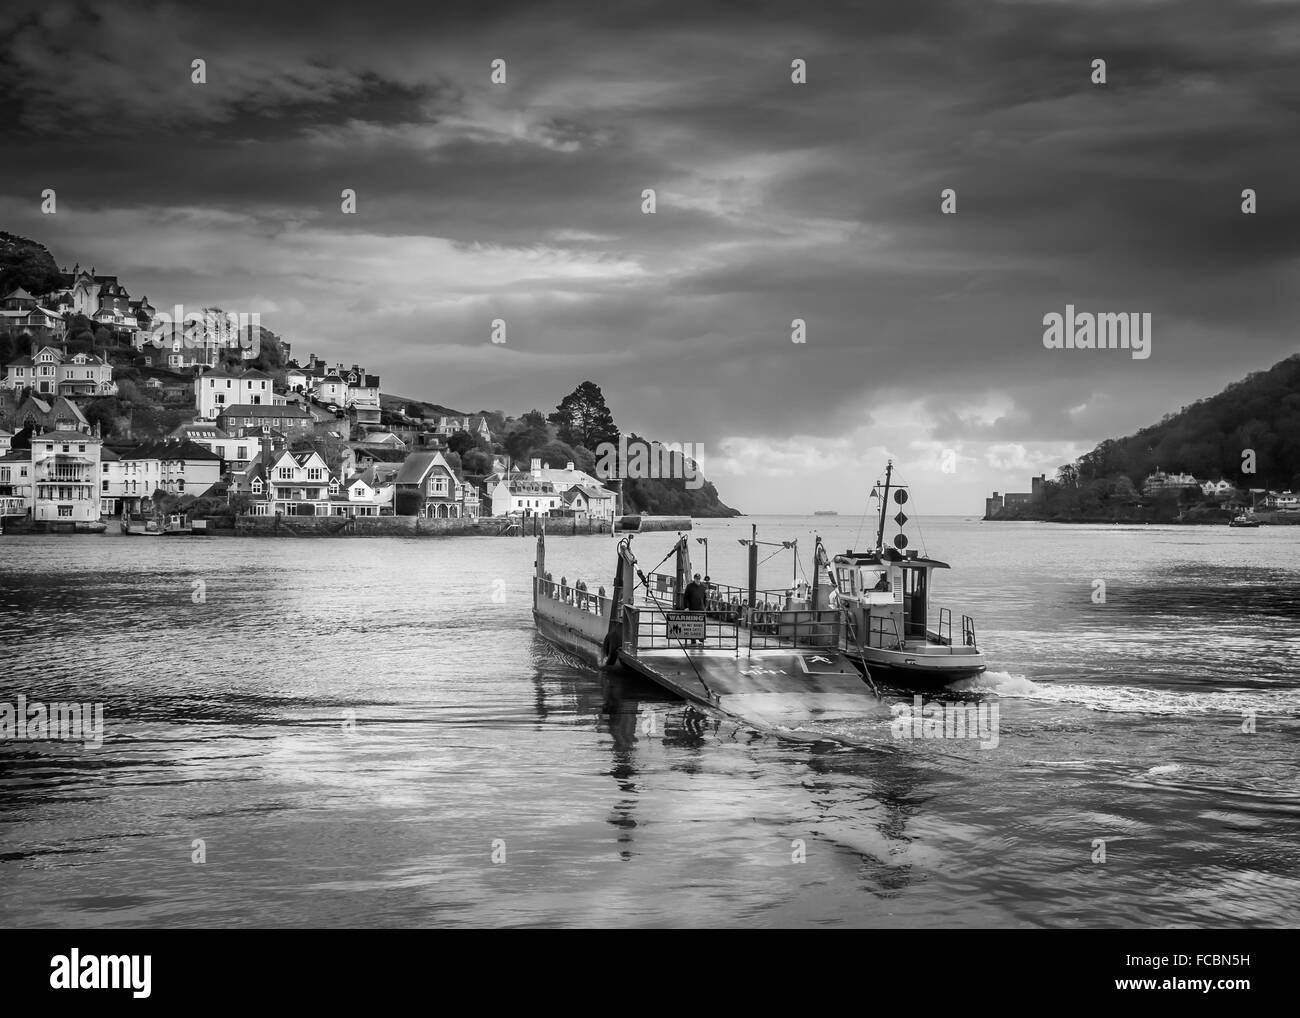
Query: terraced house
point(129, 478)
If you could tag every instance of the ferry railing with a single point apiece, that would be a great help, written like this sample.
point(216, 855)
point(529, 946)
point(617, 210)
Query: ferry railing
point(968, 632)
point(882, 633)
point(647, 629)
point(571, 595)
point(794, 627)
point(945, 624)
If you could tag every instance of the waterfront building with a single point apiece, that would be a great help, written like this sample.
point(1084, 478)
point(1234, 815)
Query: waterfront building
point(521, 493)
point(176, 468)
point(65, 475)
point(587, 500)
point(289, 483)
point(427, 486)
point(16, 493)
point(1287, 501)
point(371, 492)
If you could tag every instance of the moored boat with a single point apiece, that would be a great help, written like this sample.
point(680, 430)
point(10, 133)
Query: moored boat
point(1243, 520)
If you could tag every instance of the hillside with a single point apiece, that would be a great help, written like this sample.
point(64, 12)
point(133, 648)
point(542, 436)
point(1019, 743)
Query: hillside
point(1257, 418)
point(1208, 438)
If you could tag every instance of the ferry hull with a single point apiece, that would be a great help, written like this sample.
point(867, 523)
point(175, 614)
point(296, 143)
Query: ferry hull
point(580, 633)
point(769, 689)
point(920, 677)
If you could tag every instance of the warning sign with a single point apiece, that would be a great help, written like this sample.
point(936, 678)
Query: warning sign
point(685, 625)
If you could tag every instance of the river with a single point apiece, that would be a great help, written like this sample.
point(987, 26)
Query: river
point(367, 733)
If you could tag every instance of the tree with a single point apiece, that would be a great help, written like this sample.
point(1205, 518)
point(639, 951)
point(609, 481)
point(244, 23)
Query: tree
point(476, 461)
point(583, 418)
point(529, 433)
point(461, 442)
point(555, 454)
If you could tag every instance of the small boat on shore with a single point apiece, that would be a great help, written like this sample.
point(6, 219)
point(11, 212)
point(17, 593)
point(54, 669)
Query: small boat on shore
point(1244, 520)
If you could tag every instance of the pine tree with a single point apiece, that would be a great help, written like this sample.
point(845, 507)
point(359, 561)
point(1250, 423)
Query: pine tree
point(583, 418)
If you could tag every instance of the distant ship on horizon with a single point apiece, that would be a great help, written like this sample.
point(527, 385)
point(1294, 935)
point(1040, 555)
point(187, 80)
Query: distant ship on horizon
point(825, 512)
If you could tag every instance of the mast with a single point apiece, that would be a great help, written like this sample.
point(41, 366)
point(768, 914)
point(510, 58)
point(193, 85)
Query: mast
point(753, 564)
point(884, 501)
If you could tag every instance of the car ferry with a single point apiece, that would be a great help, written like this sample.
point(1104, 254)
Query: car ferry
point(885, 593)
point(762, 657)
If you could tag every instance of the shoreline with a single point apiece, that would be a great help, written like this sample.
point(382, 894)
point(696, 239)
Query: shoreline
point(397, 526)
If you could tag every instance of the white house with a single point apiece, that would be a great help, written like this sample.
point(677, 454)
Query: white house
point(235, 451)
point(53, 372)
point(217, 390)
point(65, 472)
point(332, 389)
point(370, 493)
point(1284, 500)
point(16, 495)
point(1218, 489)
point(177, 468)
point(520, 493)
point(597, 503)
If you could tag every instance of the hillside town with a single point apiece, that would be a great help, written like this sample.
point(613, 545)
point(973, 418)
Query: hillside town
point(301, 439)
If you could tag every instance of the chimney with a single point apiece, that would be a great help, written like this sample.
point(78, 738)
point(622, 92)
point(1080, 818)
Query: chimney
point(568, 467)
point(536, 468)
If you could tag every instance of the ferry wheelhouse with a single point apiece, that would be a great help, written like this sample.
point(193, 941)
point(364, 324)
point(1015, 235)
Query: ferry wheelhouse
point(885, 593)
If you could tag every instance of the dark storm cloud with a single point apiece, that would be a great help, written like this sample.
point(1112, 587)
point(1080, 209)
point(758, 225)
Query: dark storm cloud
point(776, 201)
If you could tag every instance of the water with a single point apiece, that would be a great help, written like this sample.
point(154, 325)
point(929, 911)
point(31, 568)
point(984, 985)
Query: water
point(352, 728)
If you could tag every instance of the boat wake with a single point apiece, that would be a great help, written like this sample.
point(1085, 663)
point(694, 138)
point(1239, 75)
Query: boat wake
point(1135, 699)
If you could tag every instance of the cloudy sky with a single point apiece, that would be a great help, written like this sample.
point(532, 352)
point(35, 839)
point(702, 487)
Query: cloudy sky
point(820, 201)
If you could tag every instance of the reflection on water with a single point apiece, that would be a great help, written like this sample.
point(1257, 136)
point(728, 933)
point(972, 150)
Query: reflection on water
point(353, 729)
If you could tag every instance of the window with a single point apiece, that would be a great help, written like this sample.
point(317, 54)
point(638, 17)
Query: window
point(243, 453)
point(65, 510)
point(81, 448)
point(314, 474)
point(103, 486)
point(66, 447)
point(49, 448)
point(257, 486)
point(286, 473)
